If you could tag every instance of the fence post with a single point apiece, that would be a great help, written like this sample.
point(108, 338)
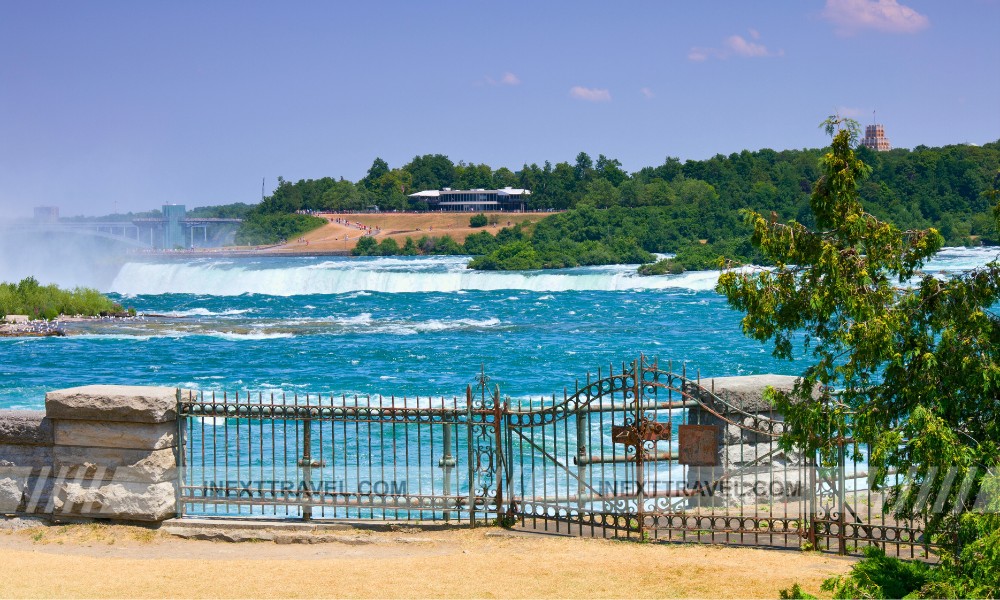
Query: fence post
point(447, 463)
point(472, 465)
point(640, 476)
point(813, 492)
point(841, 495)
point(500, 467)
point(582, 469)
point(307, 465)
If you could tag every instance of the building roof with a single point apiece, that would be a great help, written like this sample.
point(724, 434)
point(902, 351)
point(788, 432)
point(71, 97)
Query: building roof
point(507, 191)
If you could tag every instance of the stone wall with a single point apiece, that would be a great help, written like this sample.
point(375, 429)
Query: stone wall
point(748, 458)
point(97, 451)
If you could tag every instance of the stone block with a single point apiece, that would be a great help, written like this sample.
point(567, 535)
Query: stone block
point(131, 404)
point(13, 484)
point(120, 464)
point(25, 427)
point(122, 501)
point(107, 434)
point(746, 393)
point(16, 455)
point(743, 454)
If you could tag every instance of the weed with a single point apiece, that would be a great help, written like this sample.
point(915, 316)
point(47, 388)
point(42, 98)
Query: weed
point(795, 593)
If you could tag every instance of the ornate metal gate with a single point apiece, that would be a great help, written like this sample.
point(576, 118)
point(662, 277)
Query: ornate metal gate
point(642, 452)
point(648, 453)
point(637, 452)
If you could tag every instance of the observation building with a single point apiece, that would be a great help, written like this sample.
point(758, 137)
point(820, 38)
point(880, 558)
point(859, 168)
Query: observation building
point(875, 138)
point(506, 199)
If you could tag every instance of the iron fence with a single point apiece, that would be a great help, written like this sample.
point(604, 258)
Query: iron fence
point(635, 452)
point(341, 458)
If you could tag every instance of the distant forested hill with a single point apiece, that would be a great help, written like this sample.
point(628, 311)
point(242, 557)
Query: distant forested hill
point(689, 207)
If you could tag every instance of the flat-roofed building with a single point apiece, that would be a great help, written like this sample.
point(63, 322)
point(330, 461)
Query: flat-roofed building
point(506, 199)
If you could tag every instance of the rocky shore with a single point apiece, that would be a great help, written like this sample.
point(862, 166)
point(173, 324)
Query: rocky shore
point(32, 329)
point(21, 326)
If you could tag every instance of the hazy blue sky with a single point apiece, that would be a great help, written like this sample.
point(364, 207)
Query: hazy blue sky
point(134, 104)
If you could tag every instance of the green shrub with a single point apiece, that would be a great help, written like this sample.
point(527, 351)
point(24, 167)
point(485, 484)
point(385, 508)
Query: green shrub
point(28, 297)
point(974, 572)
point(480, 243)
point(515, 256)
point(366, 246)
point(260, 229)
point(479, 220)
point(388, 247)
point(666, 266)
point(795, 593)
point(879, 576)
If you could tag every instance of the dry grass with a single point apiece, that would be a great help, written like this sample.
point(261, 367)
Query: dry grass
point(400, 226)
point(88, 533)
point(453, 564)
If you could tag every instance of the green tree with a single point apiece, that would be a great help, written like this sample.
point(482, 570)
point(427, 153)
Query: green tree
point(431, 172)
point(584, 167)
point(914, 358)
point(378, 169)
point(366, 246)
point(602, 194)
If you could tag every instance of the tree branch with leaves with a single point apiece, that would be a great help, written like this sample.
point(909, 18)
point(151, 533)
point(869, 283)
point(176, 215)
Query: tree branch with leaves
point(903, 364)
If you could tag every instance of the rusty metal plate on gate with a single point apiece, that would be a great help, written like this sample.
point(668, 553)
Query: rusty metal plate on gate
point(647, 431)
point(698, 445)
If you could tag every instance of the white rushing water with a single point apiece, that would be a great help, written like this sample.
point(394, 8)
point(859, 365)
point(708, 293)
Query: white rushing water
point(284, 277)
point(427, 274)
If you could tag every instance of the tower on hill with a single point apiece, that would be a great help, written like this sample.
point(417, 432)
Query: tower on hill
point(875, 138)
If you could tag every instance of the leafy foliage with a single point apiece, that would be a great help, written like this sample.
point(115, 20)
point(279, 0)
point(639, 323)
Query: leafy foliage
point(691, 208)
point(260, 229)
point(666, 266)
point(914, 358)
point(238, 210)
point(879, 576)
point(479, 220)
point(795, 593)
point(28, 297)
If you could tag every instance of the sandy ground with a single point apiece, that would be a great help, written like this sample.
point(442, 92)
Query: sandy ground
point(102, 561)
point(337, 237)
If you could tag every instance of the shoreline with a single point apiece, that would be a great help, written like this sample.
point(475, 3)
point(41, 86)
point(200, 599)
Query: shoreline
point(41, 328)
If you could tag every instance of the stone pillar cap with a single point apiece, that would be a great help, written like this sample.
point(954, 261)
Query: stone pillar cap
point(746, 392)
point(127, 403)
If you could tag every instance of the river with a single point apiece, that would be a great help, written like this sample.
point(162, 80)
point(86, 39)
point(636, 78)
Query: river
point(416, 326)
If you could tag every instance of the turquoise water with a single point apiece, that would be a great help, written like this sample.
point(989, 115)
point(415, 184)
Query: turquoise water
point(404, 326)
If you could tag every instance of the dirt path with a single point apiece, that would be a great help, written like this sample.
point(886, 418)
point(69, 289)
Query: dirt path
point(102, 561)
point(336, 236)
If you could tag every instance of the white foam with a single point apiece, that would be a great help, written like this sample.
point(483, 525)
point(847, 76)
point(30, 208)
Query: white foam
point(418, 274)
point(430, 274)
point(253, 335)
point(204, 312)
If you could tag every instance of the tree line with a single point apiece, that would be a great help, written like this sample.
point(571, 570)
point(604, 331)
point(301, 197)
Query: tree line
point(692, 206)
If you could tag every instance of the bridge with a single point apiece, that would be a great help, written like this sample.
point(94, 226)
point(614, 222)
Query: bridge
point(162, 233)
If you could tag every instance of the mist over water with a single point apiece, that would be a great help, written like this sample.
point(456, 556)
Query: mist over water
point(65, 259)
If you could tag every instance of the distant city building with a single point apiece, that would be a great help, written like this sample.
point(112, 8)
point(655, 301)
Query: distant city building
point(875, 138)
point(507, 199)
point(46, 214)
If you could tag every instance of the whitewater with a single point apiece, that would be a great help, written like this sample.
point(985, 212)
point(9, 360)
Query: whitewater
point(414, 326)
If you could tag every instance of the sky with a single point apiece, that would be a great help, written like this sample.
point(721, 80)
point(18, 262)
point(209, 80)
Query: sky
point(125, 106)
